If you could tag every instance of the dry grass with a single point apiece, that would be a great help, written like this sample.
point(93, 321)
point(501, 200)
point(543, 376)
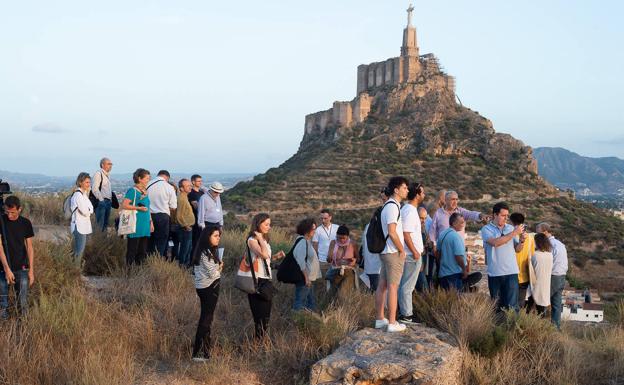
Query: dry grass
point(144, 322)
point(524, 349)
point(45, 209)
point(139, 330)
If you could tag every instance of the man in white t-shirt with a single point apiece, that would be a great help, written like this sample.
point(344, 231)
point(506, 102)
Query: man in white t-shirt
point(163, 203)
point(413, 245)
point(323, 235)
point(392, 257)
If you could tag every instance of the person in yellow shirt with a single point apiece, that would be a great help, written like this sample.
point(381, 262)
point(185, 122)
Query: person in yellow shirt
point(523, 257)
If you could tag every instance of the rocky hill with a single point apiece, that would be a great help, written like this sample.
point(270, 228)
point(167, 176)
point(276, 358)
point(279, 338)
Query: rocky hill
point(585, 175)
point(410, 123)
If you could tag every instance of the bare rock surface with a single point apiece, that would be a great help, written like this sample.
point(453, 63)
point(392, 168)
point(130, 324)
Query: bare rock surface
point(420, 355)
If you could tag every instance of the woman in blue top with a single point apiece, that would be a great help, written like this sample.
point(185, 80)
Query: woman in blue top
point(136, 198)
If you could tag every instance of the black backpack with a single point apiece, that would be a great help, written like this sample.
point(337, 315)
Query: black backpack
point(375, 239)
point(289, 270)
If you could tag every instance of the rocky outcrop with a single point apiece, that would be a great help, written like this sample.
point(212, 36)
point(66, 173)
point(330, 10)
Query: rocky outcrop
point(420, 355)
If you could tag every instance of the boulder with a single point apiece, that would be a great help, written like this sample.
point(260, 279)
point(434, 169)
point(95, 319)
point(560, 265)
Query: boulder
point(420, 355)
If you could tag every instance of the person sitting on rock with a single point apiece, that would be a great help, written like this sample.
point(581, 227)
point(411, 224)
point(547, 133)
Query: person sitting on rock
point(451, 252)
point(342, 258)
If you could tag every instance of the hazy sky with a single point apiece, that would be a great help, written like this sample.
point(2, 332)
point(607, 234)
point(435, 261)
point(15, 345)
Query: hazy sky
point(225, 86)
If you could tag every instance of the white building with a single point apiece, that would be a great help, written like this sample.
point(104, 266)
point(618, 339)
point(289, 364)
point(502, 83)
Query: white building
point(586, 312)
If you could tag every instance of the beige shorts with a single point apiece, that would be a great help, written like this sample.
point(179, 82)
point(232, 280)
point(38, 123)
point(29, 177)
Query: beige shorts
point(391, 268)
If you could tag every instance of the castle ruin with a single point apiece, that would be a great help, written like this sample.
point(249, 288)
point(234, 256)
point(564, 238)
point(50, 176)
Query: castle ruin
point(408, 68)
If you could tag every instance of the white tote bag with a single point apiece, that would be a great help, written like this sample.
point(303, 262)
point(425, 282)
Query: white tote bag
point(127, 220)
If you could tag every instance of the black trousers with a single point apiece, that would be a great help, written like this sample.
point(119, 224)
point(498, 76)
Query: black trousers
point(160, 236)
point(196, 232)
point(208, 298)
point(136, 250)
point(261, 312)
point(522, 289)
point(541, 310)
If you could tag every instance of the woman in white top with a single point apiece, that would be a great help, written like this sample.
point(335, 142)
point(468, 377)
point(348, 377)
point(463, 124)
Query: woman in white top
point(207, 268)
point(82, 209)
point(260, 251)
point(540, 270)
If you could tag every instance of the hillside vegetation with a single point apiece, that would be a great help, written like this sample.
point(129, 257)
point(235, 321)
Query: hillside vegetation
point(136, 327)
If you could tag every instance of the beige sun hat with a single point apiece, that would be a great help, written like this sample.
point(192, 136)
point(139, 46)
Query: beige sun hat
point(217, 187)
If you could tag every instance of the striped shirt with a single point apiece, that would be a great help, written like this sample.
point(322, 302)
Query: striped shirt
point(207, 272)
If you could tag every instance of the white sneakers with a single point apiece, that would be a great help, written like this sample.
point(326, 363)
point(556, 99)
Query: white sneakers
point(396, 327)
point(390, 328)
point(380, 324)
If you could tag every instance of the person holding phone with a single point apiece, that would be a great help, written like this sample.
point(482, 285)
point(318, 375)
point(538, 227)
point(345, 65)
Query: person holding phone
point(136, 198)
point(207, 267)
point(501, 241)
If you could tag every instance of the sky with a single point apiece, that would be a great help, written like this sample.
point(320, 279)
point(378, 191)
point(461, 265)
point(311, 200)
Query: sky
point(225, 86)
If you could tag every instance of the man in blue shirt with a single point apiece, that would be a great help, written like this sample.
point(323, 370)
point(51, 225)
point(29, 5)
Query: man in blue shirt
point(501, 241)
point(452, 254)
point(558, 275)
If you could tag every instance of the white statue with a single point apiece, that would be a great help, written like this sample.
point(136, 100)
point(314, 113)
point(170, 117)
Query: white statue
point(409, 14)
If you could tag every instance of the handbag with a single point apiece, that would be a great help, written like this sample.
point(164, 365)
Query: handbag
point(128, 220)
point(250, 284)
point(289, 270)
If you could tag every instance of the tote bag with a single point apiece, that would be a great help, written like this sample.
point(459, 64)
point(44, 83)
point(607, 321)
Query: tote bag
point(128, 220)
point(245, 281)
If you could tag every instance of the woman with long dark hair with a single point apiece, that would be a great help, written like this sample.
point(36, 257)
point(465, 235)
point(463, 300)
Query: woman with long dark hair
point(207, 268)
point(260, 252)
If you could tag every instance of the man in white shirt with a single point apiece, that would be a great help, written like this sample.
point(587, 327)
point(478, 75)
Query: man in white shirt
point(413, 245)
point(209, 210)
point(323, 235)
point(392, 257)
point(163, 202)
point(102, 190)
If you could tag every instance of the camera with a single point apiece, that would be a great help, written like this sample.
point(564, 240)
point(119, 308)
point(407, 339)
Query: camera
point(5, 188)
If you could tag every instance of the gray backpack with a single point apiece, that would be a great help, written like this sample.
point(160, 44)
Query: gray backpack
point(67, 211)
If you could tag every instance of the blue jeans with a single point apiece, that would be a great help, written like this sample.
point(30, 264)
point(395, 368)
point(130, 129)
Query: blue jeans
point(160, 237)
point(304, 297)
point(80, 242)
point(102, 213)
point(21, 292)
point(422, 285)
point(185, 242)
point(557, 283)
point(452, 281)
point(504, 289)
point(411, 269)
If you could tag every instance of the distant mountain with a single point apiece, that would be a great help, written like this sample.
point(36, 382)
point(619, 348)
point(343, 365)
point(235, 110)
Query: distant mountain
point(586, 176)
point(39, 183)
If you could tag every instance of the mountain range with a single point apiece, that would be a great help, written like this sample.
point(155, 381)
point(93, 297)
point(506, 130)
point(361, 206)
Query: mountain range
point(586, 176)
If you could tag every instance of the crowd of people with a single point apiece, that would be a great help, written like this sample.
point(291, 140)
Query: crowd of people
point(422, 248)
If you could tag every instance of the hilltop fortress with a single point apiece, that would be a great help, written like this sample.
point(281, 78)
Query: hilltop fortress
point(410, 72)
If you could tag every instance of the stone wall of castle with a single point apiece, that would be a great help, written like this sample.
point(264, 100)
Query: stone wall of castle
point(342, 114)
point(392, 72)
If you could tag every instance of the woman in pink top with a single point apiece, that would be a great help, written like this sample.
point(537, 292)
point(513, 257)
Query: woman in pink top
point(342, 250)
point(342, 257)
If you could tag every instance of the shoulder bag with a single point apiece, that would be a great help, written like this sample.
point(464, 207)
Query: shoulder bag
point(247, 281)
point(289, 270)
point(128, 219)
